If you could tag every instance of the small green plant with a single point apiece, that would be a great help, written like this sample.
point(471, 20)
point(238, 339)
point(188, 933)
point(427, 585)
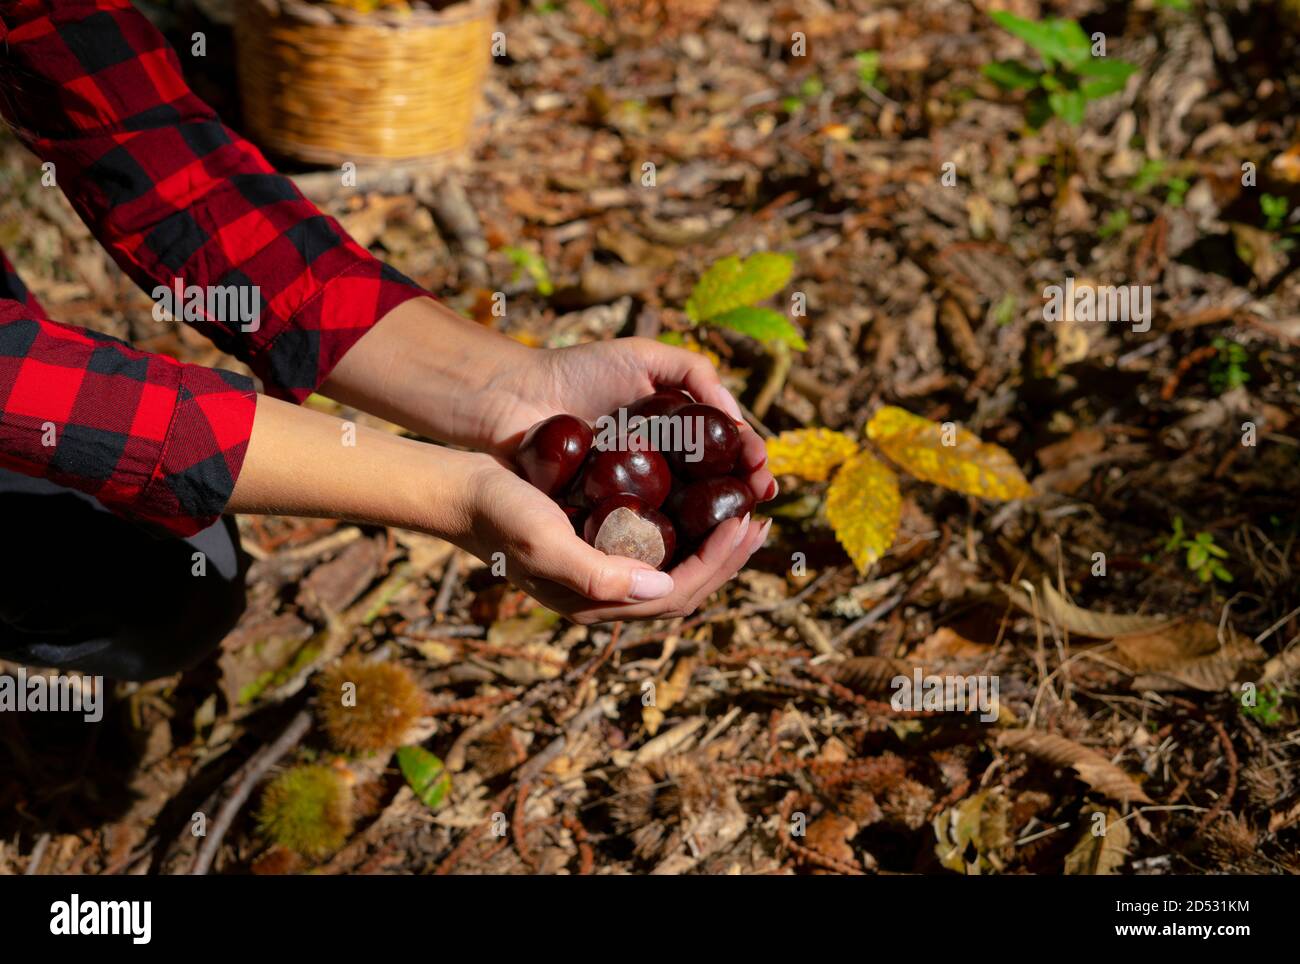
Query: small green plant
point(726, 296)
point(1070, 76)
point(1228, 369)
point(531, 262)
point(1267, 709)
point(868, 62)
point(811, 88)
point(1004, 312)
point(1275, 210)
point(1154, 174)
point(1203, 554)
point(1116, 221)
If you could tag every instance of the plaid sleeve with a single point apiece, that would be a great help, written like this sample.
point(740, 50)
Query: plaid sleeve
point(184, 204)
point(155, 440)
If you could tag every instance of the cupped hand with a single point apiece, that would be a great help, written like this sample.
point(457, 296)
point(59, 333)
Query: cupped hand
point(545, 558)
point(597, 379)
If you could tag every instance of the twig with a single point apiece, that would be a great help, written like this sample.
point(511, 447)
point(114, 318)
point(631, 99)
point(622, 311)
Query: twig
point(877, 613)
point(37, 855)
point(450, 578)
point(781, 361)
point(244, 781)
point(519, 826)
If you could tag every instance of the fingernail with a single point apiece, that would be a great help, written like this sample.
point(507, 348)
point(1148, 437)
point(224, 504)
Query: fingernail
point(650, 584)
point(740, 533)
point(732, 406)
point(772, 490)
point(767, 527)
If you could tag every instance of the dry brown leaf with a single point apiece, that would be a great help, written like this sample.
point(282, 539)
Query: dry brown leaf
point(1093, 768)
point(869, 675)
point(945, 644)
point(830, 834)
point(666, 694)
point(1087, 441)
point(1080, 621)
point(1282, 666)
point(1186, 655)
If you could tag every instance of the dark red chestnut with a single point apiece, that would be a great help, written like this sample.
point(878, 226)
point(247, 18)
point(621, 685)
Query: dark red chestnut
point(718, 442)
point(632, 419)
point(623, 525)
point(551, 452)
point(663, 402)
point(700, 506)
point(642, 474)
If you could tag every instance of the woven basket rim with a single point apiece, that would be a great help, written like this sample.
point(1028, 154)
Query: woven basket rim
point(316, 13)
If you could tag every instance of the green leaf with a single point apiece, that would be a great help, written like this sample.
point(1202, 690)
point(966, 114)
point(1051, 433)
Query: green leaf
point(1056, 40)
point(1011, 75)
point(1104, 77)
point(732, 283)
point(1116, 221)
point(533, 263)
point(762, 323)
point(1037, 110)
point(425, 775)
point(1068, 105)
point(868, 62)
point(1151, 173)
point(812, 87)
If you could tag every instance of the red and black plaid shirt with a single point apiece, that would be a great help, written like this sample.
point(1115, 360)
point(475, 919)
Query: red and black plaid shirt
point(172, 193)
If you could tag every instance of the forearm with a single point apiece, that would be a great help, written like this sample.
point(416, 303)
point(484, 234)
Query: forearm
point(305, 463)
point(191, 211)
point(425, 367)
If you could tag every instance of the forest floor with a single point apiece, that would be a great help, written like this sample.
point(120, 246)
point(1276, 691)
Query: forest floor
point(771, 745)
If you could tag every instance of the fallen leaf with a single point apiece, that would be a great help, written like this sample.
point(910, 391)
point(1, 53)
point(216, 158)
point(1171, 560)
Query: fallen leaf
point(1186, 655)
point(1100, 854)
point(1093, 768)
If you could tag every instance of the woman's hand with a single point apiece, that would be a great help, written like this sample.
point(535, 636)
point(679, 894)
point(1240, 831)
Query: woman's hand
point(547, 560)
point(597, 379)
point(299, 462)
point(428, 369)
point(425, 367)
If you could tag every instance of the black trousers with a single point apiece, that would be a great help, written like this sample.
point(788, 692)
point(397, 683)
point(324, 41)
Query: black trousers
point(85, 590)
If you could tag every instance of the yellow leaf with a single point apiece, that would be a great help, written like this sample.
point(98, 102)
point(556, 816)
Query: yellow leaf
point(863, 507)
point(965, 464)
point(809, 453)
point(1102, 853)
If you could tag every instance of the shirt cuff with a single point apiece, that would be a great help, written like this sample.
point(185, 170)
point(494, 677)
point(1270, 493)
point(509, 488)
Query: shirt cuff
point(202, 452)
point(327, 325)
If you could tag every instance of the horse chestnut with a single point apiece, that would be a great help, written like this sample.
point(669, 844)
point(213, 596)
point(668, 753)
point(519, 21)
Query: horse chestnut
point(642, 474)
point(552, 451)
point(719, 443)
point(700, 506)
point(623, 525)
point(666, 401)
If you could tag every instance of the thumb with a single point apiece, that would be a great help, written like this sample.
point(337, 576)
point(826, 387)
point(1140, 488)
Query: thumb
point(668, 365)
point(597, 576)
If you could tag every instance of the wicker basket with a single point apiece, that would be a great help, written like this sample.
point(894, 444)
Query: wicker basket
point(327, 85)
